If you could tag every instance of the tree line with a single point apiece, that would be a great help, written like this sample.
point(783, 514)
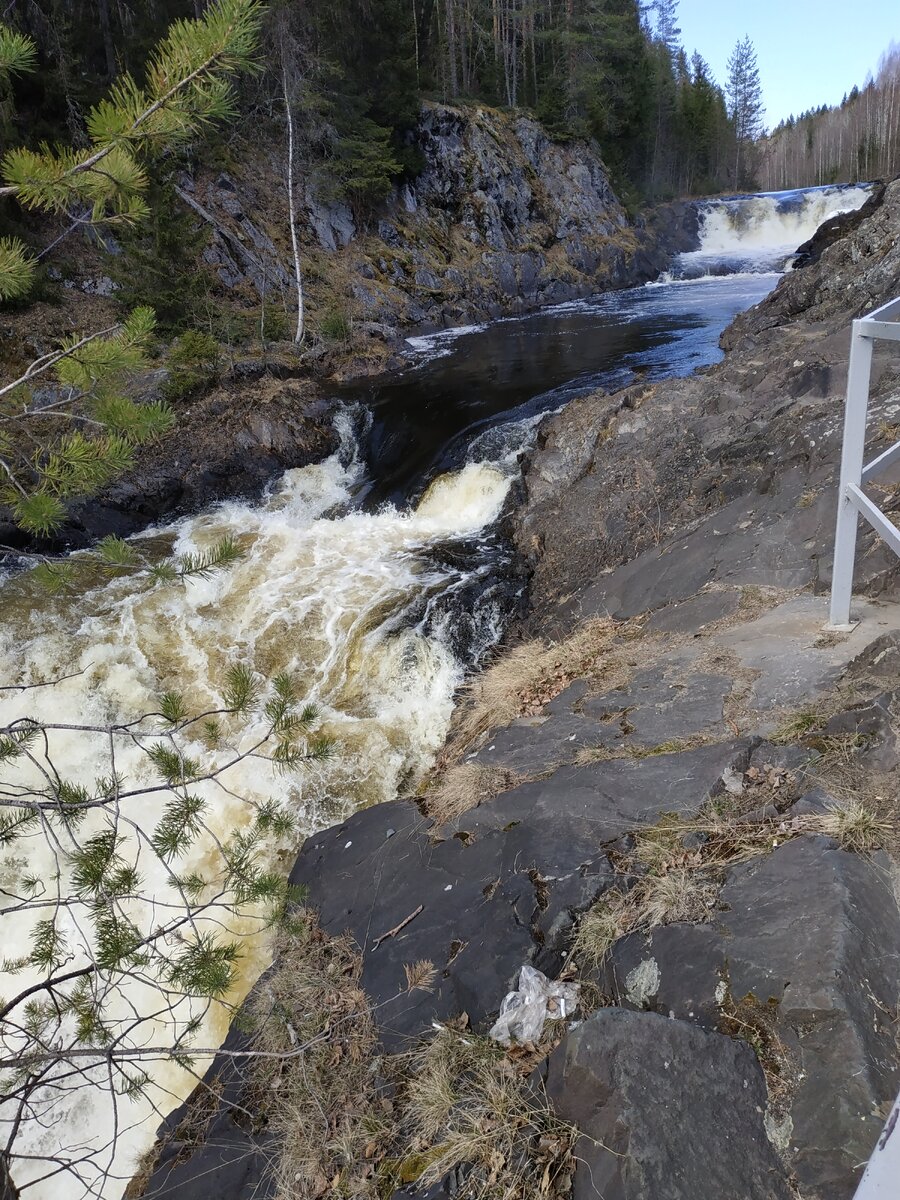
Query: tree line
point(613, 70)
point(856, 140)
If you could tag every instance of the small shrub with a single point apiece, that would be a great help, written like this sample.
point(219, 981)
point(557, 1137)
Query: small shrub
point(335, 325)
point(193, 363)
point(273, 323)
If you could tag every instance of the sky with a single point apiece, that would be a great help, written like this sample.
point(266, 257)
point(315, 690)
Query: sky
point(810, 52)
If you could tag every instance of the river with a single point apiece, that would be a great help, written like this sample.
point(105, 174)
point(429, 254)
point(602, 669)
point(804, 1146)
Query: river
point(376, 579)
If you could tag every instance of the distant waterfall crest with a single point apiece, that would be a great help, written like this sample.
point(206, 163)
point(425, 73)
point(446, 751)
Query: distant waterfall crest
point(760, 234)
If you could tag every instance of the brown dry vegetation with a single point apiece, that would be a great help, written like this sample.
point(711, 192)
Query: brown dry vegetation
point(677, 868)
point(526, 677)
point(348, 1123)
point(465, 786)
point(321, 1104)
point(465, 1104)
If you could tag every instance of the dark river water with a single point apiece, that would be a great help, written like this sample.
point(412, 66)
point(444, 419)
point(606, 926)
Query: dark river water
point(432, 417)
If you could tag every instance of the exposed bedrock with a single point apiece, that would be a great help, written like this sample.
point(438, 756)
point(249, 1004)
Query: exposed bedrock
point(501, 219)
point(642, 498)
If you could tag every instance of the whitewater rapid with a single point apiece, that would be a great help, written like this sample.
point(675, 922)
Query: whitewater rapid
point(326, 593)
point(761, 233)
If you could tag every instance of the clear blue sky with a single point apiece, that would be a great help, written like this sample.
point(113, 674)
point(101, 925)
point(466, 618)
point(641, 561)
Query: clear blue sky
point(810, 51)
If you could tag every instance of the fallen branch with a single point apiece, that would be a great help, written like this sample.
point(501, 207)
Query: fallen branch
point(397, 928)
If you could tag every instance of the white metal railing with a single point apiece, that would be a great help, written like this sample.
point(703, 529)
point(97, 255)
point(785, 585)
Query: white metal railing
point(853, 502)
point(880, 1180)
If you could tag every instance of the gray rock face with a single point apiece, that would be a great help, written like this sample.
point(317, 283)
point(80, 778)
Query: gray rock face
point(809, 935)
point(727, 476)
point(501, 886)
point(501, 218)
point(665, 1110)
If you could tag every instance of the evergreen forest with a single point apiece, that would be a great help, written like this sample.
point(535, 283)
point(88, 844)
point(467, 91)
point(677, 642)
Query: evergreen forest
point(613, 70)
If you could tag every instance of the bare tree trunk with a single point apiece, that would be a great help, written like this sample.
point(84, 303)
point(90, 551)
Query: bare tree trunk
point(453, 78)
point(292, 215)
point(106, 33)
point(415, 16)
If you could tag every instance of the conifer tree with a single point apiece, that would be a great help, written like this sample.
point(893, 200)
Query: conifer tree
point(745, 108)
point(118, 974)
point(187, 86)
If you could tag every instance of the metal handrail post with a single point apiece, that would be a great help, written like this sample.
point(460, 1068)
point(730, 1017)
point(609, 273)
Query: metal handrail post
point(881, 1175)
point(855, 414)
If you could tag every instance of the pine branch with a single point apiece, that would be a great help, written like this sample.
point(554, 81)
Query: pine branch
point(229, 27)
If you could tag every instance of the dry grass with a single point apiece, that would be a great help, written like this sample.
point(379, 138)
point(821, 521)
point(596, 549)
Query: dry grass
point(856, 826)
point(797, 726)
point(465, 786)
point(321, 1103)
point(523, 679)
point(757, 1024)
point(458, 1102)
point(677, 868)
point(594, 754)
point(465, 1104)
point(680, 894)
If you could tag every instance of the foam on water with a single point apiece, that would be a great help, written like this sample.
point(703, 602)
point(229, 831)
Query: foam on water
point(761, 233)
point(320, 593)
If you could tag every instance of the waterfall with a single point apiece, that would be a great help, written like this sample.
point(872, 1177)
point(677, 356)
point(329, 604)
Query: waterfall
point(761, 233)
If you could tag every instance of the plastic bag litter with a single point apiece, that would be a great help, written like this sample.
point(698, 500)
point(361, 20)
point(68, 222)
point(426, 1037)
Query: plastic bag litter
point(523, 1012)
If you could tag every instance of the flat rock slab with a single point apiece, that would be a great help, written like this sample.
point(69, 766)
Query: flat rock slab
point(218, 1158)
point(661, 705)
point(810, 936)
point(666, 1110)
point(694, 614)
point(598, 803)
point(794, 657)
point(497, 889)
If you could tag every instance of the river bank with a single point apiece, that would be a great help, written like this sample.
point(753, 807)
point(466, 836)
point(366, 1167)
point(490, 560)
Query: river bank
point(398, 601)
point(502, 220)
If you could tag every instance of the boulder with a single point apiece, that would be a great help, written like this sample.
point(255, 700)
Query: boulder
point(664, 1109)
point(495, 889)
point(800, 940)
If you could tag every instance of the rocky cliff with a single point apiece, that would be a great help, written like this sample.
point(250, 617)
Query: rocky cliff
point(501, 219)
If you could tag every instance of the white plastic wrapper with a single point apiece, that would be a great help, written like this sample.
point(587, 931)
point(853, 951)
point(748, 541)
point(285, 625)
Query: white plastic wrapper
point(523, 1012)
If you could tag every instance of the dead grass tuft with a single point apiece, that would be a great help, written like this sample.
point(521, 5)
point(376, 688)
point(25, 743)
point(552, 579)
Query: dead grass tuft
point(523, 679)
point(796, 727)
point(463, 787)
point(856, 826)
point(320, 1102)
point(466, 1106)
point(680, 894)
point(420, 976)
point(677, 868)
point(594, 754)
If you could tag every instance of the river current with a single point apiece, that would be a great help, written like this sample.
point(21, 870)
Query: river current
point(376, 579)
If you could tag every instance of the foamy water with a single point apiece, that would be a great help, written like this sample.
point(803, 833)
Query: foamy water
point(761, 233)
point(322, 593)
